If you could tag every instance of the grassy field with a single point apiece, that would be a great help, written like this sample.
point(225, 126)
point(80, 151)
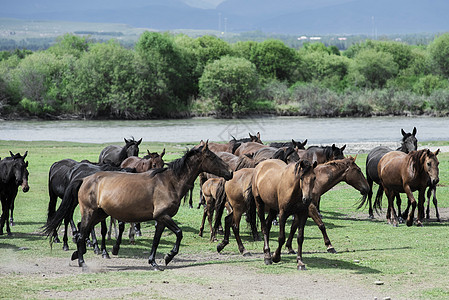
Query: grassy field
point(410, 261)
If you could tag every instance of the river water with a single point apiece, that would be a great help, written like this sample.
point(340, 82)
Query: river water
point(318, 131)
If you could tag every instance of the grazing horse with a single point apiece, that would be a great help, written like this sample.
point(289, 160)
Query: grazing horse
point(406, 173)
point(293, 144)
point(115, 155)
point(239, 197)
point(13, 173)
point(409, 143)
point(327, 176)
point(321, 154)
point(154, 195)
point(287, 190)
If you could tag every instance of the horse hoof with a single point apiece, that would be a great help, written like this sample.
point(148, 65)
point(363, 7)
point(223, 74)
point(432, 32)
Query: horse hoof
point(246, 253)
point(409, 223)
point(220, 247)
point(82, 265)
point(138, 233)
point(301, 267)
point(420, 224)
point(56, 240)
point(97, 251)
point(291, 251)
point(220, 231)
point(276, 258)
point(106, 256)
point(65, 247)
point(12, 224)
point(168, 258)
point(75, 255)
point(132, 242)
point(115, 250)
point(155, 267)
point(331, 250)
point(268, 261)
point(371, 217)
point(10, 234)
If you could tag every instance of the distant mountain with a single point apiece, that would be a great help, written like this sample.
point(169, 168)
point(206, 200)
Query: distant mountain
point(282, 16)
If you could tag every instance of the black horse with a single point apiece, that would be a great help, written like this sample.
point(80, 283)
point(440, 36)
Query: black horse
point(321, 154)
point(409, 143)
point(292, 144)
point(115, 155)
point(13, 173)
point(60, 175)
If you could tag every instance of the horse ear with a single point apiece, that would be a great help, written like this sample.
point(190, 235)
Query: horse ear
point(436, 152)
point(126, 141)
point(163, 153)
point(139, 141)
point(206, 146)
point(343, 148)
point(333, 147)
point(258, 135)
point(12, 155)
point(25, 155)
point(414, 131)
point(304, 143)
point(148, 151)
point(403, 132)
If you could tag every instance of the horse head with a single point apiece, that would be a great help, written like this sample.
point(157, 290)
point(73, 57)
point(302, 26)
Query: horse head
point(255, 138)
point(430, 165)
point(354, 176)
point(299, 145)
point(19, 169)
point(155, 159)
point(337, 153)
point(211, 163)
point(409, 141)
point(132, 147)
point(306, 172)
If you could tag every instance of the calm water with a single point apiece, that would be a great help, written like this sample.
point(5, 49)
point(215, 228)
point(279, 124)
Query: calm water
point(317, 131)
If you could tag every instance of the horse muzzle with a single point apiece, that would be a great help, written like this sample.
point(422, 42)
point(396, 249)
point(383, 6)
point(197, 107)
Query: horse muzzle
point(306, 200)
point(25, 187)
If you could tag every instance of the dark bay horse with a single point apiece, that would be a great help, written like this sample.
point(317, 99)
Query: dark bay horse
point(406, 173)
point(321, 154)
point(329, 175)
point(286, 154)
point(293, 144)
point(139, 197)
point(408, 143)
point(212, 190)
point(13, 173)
point(114, 155)
point(287, 190)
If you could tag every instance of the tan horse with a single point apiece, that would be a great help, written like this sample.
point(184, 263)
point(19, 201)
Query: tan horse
point(287, 190)
point(137, 197)
point(329, 175)
point(239, 197)
point(405, 173)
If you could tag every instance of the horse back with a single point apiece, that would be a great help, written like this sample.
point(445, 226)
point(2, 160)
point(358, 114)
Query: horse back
point(248, 148)
point(372, 161)
point(109, 154)
point(393, 170)
point(267, 178)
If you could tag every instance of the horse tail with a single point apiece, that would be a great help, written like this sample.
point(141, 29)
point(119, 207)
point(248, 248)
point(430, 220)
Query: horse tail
point(65, 210)
point(220, 202)
point(251, 207)
point(378, 202)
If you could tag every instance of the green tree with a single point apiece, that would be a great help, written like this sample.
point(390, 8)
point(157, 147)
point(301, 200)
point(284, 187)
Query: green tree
point(273, 59)
point(439, 53)
point(232, 84)
point(372, 69)
point(70, 44)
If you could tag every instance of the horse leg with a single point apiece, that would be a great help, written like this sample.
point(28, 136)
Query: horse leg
point(398, 204)
point(313, 213)
point(156, 239)
point(236, 218)
point(429, 194)
point(210, 205)
point(370, 196)
point(281, 239)
point(421, 200)
point(5, 217)
point(227, 232)
point(202, 222)
point(265, 232)
point(435, 203)
point(412, 200)
point(302, 222)
point(170, 224)
point(391, 213)
point(65, 238)
point(293, 229)
point(94, 241)
point(11, 219)
point(104, 231)
point(111, 223)
point(132, 233)
point(121, 229)
point(2, 218)
point(137, 230)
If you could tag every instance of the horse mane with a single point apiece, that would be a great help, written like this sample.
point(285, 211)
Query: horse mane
point(416, 158)
point(326, 149)
point(245, 161)
point(178, 164)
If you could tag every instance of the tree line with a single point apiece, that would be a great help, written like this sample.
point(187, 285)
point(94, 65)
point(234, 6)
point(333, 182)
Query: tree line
point(167, 75)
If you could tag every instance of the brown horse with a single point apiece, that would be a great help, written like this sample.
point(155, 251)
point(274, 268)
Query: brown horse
point(406, 173)
point(287, 190)
point(137, 197)
point(327, 176)
point(153, 161)
point(239, 197)
point(212, 190)
point(248, 148)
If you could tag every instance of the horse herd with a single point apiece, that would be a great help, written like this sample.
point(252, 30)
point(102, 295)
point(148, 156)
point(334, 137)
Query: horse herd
point(247, 177)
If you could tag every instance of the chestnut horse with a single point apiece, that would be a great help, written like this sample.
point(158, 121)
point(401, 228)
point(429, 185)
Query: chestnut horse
point(138, 197)
point(329, 175)
point(409, 143)
point(406, 173)
point(153, 161)
point(287, 190)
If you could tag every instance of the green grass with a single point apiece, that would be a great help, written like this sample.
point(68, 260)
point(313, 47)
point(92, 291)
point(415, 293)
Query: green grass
point(411, 261)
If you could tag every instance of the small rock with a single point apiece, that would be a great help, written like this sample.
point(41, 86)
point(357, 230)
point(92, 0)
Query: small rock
point(24, 248)
point(378, 282)
point(356, 261)
point(387, 298)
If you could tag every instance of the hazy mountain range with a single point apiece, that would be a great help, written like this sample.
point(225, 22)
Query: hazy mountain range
point(282, 16)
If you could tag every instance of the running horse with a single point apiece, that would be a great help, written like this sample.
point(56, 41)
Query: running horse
point(406, 173)
point(139, 197)
point(287, 190)
point(13, 173)
point(408, 143)
point(115, 155)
